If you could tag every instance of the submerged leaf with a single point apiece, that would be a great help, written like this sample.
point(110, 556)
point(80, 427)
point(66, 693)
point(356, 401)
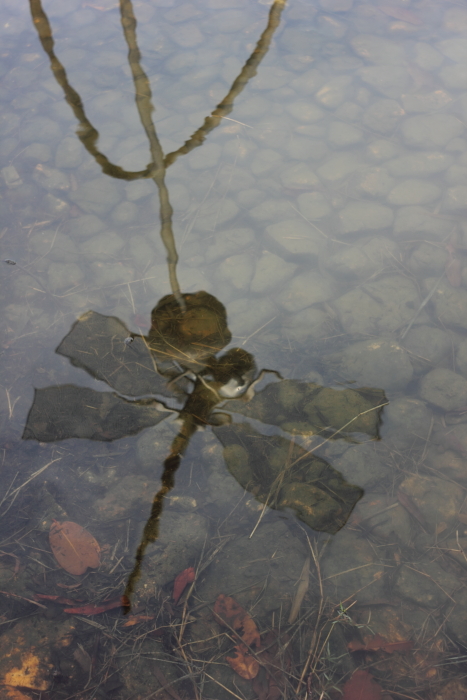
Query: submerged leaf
point(230, 614)
point(361, 686)
point(378, 643)
point(74, 548)
point(243, 663)
point(92, 609)
point(181, 581)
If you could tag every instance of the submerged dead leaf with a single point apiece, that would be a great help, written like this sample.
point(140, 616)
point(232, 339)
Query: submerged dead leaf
point(376, 642)
point(181, 581)
point(243, 663)
point(230, 614)
point(74, 548)
point(361, 686)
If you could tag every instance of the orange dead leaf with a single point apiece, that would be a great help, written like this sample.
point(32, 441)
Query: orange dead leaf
point(74, 548)
point(135, 619)
point(230, 614)
point(361, 686)
point(13, 694)
point(243, 663)
point(378, 643)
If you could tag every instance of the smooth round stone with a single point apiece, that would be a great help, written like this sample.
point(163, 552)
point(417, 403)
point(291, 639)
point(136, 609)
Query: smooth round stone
point(313, 205)
point(103, 246)
point(455, 19)
point(427, 57)
point(309, 82)
point(216, 214)
point(427, 345)
point(454, 77)
point(444, 389)
point(305, 111)
point(339, 166)
point(97, 196)
point(361, 260)
point(69, 153)
point(427, 101)
point(427, 260)
point(406, 421)
point(305, 290)
point(38, 152)
point(378, 50)
point(341, 134)
point(336, 5)
point(64, 276)
point(456, 174)
point(364, 216)
point(461, 358)
point(455, 198)
point(247, 199)
point(378, 363)
point(383, 115)
point(431, 131)
point(85, 226)
point(124, 213)
point(374, 182)
point(330, 26)
point(299, 177)
point(349, 112)
point(413, 192)
point(39, 129)
point(302, 148)
point(295, 236)
point(390, 81)
point(55, 207)
point(309, 324)
point(138, 189)
point(421, 223)
point(382, 150)
point(246, 317)
point(187, 35)
point(50, 178)
point(205, 157)
point(265, 160)
point(270, 272)
point(271, 210)
point(251, 107)
point(450, 303)
point(335, 91)
point(237, 270)
point(419, 164)
point(271, 78)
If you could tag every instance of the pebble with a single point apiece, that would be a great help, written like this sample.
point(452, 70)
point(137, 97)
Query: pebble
point(38, 152)
point(299, 177)
point(444, 389)
point(361, 465)
point(456, 174)
point(336, 5)
point(51, 178)
point(245, 317)
point(450, 303)
point(302, 148)
point(309, 82)
point(295, 236)
point(11, 177)
point(455, 198)
point(103, 246)
point(419, 164)
point(426, 101)
point(391, 81)
point(304, 290)
point(406, 422)
point(271, 210)
point(55, 207)
point(383, 115)
point(41, 128)
point(124, 213)
point(376, 49)
point(364, 216)
point(341, 134)
point(55, 245)
point(431, 131)
point(339, 166)
point(237, 270)
point(363, 259)
point(97, 196)
point(454, 49)
point(271, 78)
point(229, 242)
point(309, 324)
point(438, 500)
point(265, 160)
point(428, 260)
point(454, 77)
point(379, 307)
point(64, 276)
point(305, 111)
point(461, 358)
point(215, 213)
point(270, 272)
point(427, 57)
point(313, 205)
point(206, 157)
point(427, 346)
point(335, 91)
point(413, 191)
point(84, 226)
point(421, 223)
point(381, 149)
point(379, 363)
point(373, 182)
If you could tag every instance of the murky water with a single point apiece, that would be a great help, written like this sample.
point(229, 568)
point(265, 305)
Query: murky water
point(234, 293)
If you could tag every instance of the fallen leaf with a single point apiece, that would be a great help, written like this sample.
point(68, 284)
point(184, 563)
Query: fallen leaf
point(135, 619)
point(361, 686)
point(275, 663)
point(400, 13)
point(378, 643)
point(243, 663)
point(182, 580)
point(13, 693)
point(56, 599)
point(92, 609)
point(230, 614)
point(74, 548)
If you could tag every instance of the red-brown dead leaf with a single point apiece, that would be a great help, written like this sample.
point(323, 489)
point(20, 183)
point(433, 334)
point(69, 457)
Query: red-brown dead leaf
point(74, 548)
point(361, 686)
point(378, 643)
point(92, 609)
point(243, 663)
point(181, 581)
point(136, 619)
point(400, 13)
point(230, 614)
point(60, 600)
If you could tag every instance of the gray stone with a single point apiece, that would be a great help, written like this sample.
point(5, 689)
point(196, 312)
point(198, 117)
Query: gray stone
point(456, 174)
point(373, 182)
point(362, 259)
point(360, 465)
point(461, 357)
point(103, 246)
point(37, 152)
point(265, 160)
point(378, 50)
point(335, 91)
point(421, 223)
point(69, 153)
point(426, 102)
point(84, 226)
point(305, 290)
point(299, 177)
point(427, 346)
point(352, 569)
point(428, 260)
point(313, 205)
point(406, 422)
point(229, 242)
point(51, 178)
point(377, 363)
point(383, 116)
point(419, 164)
point(336, 5)
point(270, 272)
point(124, 213)
point(412, 192)
point(309, 324)
point(427, 57)
point(11, 177)
point(97, 196)
point(431, 131)
point(390, 81)
point(55, 245)
point(454, 76)
point(236, 270)
point(455, 198)
point(444, 389)
point(64, 276)
point(438, 500)
point(381, 149)
point(309, 82)
point(364, 216)
point(339, 166)
point(341, 134)
point(450, 303)
point(295, 236)
point(425, 583)
point(245, 317)
point(305, 111)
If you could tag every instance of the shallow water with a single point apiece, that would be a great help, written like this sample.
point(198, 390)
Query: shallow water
point(311, 161)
